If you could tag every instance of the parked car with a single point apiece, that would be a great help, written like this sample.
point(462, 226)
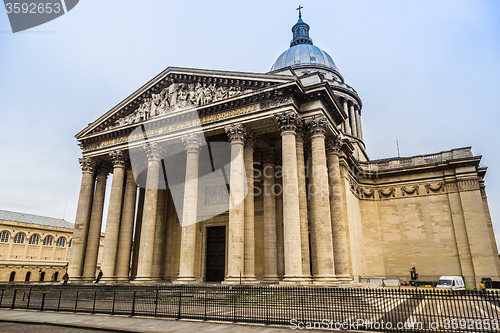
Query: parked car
point(451, 282)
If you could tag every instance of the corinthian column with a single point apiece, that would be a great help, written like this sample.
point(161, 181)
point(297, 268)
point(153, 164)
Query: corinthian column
point(341, 258)
point(146, 246)
point(346, 123)
point(321, 203)
point(288, 122)
point(358, 124)
point(94, 235)
point(126, 229)
point(249, 260)
point(270, 245)
point(114, 215)
point(352, 116)
point(82, 220)
point(236, 250)
point(192, 143)
point(304, 228)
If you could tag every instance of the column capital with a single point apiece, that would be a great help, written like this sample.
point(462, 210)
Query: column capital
point(119, 158)
point(153, 151)
point(288, 121)
point(317, 125)
point(236, 133)
point(192, 142)
point(88, 164)
point(334, 144)
point(250, 139)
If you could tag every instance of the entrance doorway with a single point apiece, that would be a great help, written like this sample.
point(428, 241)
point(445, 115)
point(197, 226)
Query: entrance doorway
point(216, 254)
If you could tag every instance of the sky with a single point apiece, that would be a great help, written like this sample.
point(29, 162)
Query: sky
point(427, 71)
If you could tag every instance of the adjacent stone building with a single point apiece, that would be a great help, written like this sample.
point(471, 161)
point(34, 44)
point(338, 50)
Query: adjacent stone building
point(33, 248)
point(264, 178)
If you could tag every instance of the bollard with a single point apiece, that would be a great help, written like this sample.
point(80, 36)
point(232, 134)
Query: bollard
point(29, 298)
point(43, 301)
point(59, 301)
point(14, 299)
point(133, 305)
point(76, 301)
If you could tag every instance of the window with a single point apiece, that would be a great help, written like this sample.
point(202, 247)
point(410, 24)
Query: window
point(61, 242)
point(34, 239)
point(4, 237)
point(28, 276)
point(19, 238)
point(70, 242)
point(12, 276)
point(47, 241)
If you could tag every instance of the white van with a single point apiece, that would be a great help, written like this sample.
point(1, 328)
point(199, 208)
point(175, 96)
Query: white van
point(451, 282)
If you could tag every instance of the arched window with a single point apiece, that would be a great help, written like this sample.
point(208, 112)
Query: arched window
point(4, 237)
point(42, 276)
point(19, 238)
point(28, 276)
point(61, 241)
point(70, 242)
point(34, 239)
point(12, 276)
point(47, 241)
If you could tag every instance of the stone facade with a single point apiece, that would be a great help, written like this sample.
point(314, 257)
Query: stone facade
point(264, 178)
point(34, 248)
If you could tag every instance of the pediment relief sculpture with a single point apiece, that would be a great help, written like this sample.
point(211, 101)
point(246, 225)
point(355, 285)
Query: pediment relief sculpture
point(178, 96)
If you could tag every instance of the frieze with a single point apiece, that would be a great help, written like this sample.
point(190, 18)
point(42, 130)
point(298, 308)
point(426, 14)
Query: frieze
point(171, 128)
point(434, 187)
point(277, 102)
point(179, 96)
point(367, 193)
point(385, 193)
point(409, 190)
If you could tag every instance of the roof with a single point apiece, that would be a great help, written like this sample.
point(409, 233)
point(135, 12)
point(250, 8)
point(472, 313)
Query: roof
point(304, 54)
point(34, 219)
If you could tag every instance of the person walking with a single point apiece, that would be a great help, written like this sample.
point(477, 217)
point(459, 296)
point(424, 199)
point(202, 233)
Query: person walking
point(99, 276)
point(65, 278)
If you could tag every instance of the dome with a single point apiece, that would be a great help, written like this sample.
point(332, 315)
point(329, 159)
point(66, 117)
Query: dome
point(304, 54)
point(302, 51)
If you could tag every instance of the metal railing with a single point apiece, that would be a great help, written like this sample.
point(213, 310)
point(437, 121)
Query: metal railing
point(402, 310)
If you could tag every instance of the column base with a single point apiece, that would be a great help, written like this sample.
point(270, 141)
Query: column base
point(271, 279)
point(325, 279)
point(294, 280)
point(344, 278)
point(122, 279)
point(249, 280)
point(142, 279)
point(233, 280)
point(185, 280)
point(87, 279)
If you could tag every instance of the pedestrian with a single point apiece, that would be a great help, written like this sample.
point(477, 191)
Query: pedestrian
point(99, 276)
point(413, 276)
point(65, 278)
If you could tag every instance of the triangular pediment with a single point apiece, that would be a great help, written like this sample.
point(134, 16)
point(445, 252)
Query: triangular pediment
point(178, 89)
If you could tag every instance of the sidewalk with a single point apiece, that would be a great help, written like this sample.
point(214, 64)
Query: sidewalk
point(129, 324)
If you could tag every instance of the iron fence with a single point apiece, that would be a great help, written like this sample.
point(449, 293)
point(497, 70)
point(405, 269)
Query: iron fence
point(385, 310)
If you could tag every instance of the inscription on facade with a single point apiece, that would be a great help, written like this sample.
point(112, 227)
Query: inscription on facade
point(178, 126)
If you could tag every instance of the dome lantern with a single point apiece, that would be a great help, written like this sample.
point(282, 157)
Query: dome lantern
point(300, 31)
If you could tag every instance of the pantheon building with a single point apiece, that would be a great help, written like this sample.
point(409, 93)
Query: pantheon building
point(253, 178)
